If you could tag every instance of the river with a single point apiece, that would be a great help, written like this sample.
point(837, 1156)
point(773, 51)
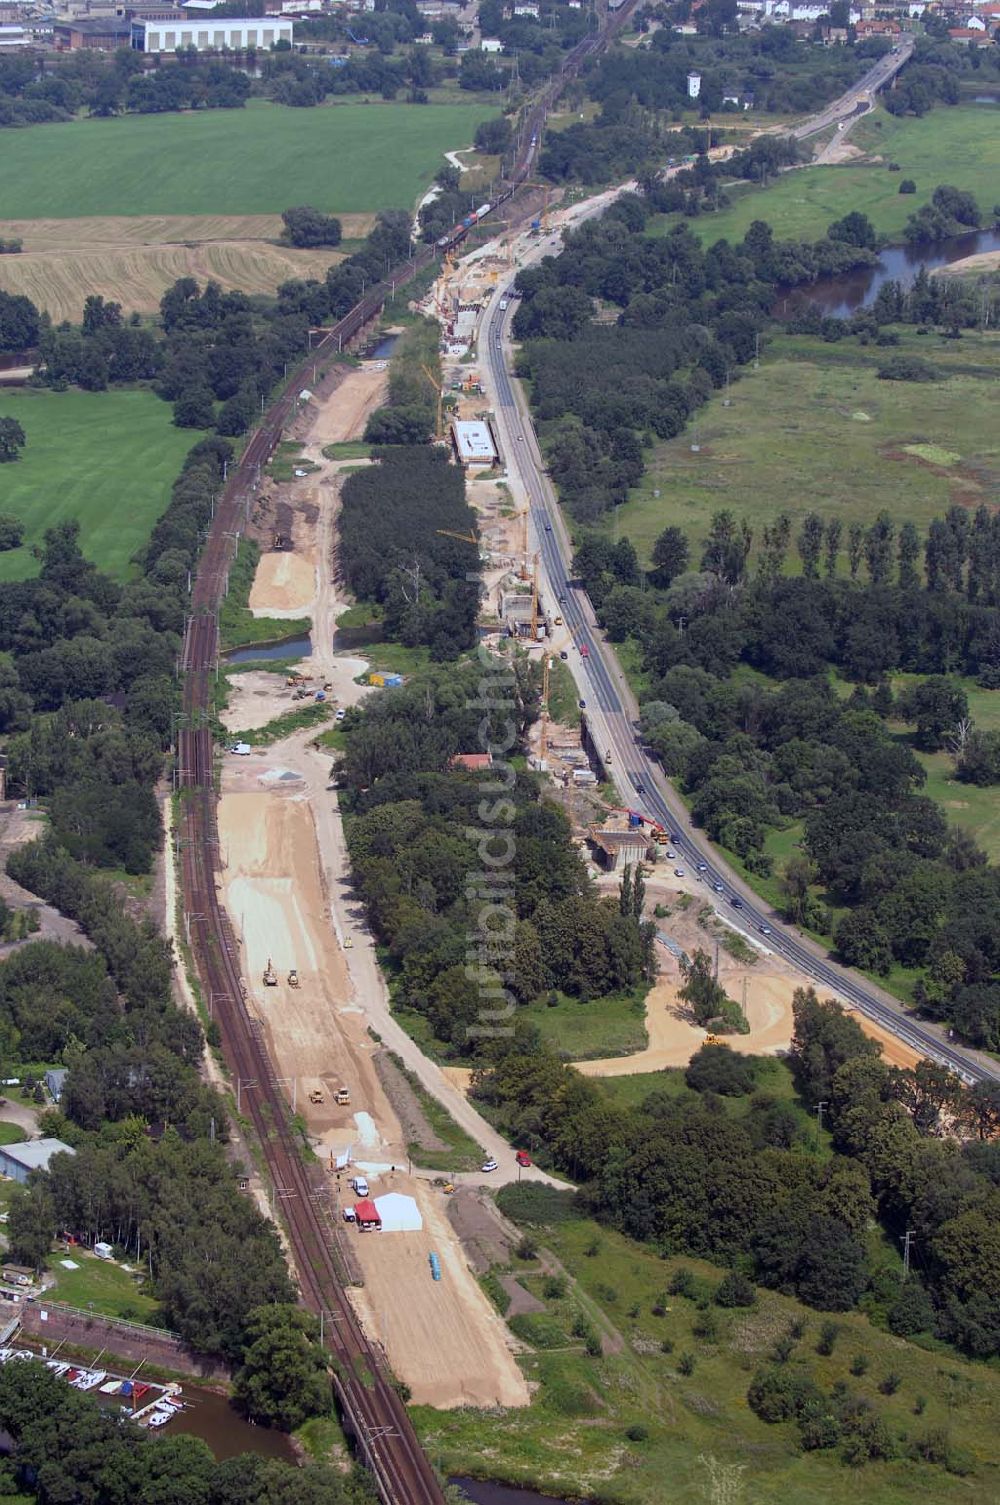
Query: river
point(483, 1493)
point(839, 297)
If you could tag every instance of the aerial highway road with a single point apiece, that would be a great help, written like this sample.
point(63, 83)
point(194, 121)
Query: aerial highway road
point(611, 710)
point(860, 97)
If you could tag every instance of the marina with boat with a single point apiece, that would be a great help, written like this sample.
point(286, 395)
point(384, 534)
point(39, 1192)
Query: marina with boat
point(147, 1403)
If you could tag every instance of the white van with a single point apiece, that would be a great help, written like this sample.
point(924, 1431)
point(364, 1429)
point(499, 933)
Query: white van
point(360, 1185)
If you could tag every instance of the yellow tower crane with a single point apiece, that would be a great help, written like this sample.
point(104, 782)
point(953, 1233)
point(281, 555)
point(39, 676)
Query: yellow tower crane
point(462, 537)
point(534, 601)
point(439, 390)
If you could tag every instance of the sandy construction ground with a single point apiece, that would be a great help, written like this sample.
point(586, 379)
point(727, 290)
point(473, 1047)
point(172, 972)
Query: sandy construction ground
point(284, 582)
point(343, 415)
point(255, 698)
point(442, 1337)
point(894, 1052)
point(274, 896)
point(673, 1038)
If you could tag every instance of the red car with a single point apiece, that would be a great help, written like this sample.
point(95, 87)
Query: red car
point(522, 1157)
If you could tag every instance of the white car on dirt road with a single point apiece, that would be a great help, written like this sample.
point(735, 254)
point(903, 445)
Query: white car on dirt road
point(488, 1165)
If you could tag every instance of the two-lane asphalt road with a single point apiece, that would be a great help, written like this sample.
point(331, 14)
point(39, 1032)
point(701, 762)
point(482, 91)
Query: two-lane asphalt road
point(860, 97)
point(611, 710)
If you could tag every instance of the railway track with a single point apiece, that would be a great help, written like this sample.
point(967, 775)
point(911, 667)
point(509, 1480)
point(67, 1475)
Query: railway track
point(372, 1409)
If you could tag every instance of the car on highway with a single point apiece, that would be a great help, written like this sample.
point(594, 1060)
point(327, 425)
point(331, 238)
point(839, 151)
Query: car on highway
point(671, 855)
point(719, 888)
point(523, 1158)
point(548, 527)
point(736, 902)
point(703, 867)
point(582, 704)
point(563, 654)
point(764, 929)
point(488, 1165)
point(679, 872)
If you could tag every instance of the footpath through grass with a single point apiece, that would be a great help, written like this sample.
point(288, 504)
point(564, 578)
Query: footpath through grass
point(105, 459)
point(959, 145)
point(619, 1426)
point(343, 158)
point(814, 429)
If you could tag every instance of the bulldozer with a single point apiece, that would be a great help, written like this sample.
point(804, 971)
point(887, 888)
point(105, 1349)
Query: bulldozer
point(343, 1098)
point(270, 975)
point(293, 978)
point(716, 1040)
point(316, 1096)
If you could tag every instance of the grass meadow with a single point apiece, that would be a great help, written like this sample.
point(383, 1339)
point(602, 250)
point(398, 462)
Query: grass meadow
point(959, 145)
point(107, 459)
point(631, 1426)
point(259, 160)
point(814, 429)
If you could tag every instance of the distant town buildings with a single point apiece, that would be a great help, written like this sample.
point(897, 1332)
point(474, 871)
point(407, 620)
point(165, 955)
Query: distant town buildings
point(237, 34)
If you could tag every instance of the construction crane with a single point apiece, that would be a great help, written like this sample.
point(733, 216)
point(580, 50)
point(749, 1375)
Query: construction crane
point(439, 392)
point(462, 537)
point(534, 601)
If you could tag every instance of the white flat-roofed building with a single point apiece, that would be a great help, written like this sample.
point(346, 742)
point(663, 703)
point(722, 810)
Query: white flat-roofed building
point(205, 34)
point(474, 443)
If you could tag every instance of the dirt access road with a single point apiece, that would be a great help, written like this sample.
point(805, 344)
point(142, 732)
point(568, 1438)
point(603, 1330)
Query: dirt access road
point(287, 890)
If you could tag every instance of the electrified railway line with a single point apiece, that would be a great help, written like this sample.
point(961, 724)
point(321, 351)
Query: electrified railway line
point(372, 1409)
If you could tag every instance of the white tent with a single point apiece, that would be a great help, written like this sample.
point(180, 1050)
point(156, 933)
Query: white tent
point(399, 1214)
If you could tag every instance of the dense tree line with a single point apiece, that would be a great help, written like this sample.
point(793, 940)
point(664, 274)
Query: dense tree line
point(392, 549)
point(750, 1191)
point(754, 756)
point(415, 836)
point(687, 319)
point(410, 414)
point(133, 1060)
point(67, 1449)
point(109, 84)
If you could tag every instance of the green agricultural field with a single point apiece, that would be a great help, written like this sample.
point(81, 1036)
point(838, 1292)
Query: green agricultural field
point(631, 1427)
point(960, 146)
point(814, 429)
point(107, 459)
point(348, 157)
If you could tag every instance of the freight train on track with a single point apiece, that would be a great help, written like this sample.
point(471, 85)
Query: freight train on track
point(371, 1408)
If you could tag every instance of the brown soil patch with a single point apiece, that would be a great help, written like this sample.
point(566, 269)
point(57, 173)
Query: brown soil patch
point(283, 582)
point(486, 1237)
point(343, 414)
point(406, 1105)
point(443, 1337)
